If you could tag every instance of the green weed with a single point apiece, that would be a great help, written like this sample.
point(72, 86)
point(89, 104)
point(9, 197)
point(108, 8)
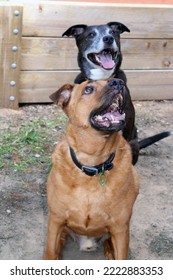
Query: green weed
point(30, 146)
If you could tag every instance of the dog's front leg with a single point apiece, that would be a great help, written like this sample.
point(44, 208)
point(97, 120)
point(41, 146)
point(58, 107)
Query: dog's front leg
point(53, 243)
point(120, 242)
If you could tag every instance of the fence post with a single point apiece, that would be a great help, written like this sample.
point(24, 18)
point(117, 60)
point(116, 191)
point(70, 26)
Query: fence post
point(10, 47)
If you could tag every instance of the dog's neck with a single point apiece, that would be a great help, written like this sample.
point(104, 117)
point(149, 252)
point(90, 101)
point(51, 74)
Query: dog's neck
point(100, 74)
point(91, 146)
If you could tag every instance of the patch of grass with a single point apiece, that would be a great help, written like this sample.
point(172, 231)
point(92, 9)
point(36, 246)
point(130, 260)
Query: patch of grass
point(30, 146)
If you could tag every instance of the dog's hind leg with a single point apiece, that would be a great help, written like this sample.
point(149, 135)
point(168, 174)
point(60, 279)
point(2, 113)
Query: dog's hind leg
point(108, 249)
point(53, 245)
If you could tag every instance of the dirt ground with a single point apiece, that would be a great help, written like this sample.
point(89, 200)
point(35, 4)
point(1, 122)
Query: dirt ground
point(23, 207)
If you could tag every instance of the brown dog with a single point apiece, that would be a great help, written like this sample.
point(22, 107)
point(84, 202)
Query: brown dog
point(92, 185)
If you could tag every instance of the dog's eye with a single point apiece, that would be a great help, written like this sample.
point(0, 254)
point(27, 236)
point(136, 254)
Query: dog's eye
point(88, 90)
point(92, 34)
point(112, 32)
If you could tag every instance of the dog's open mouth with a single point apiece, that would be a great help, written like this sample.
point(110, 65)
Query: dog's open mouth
point(110, 117)
point(105, 59)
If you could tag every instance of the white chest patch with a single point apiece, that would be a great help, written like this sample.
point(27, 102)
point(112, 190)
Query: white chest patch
point(100, 74)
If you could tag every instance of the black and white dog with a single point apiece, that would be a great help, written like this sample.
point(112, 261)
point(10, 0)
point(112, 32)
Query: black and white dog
point(99, 55)
point(99, 58)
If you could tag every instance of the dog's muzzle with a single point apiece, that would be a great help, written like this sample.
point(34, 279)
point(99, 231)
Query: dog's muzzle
point(110, 115)
point(108, 40)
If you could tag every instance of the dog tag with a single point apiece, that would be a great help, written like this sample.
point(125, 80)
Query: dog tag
point(102, 178)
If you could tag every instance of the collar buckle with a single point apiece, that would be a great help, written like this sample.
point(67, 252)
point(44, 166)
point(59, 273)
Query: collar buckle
point(93, 171)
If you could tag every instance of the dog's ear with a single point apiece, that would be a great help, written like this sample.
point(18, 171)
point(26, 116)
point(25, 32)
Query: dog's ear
point(118, 27)
point(62, 96)
point(75, 30)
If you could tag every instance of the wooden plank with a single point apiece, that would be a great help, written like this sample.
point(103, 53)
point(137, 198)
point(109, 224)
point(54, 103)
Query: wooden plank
point(61, 54)
point(48, 53)
point(11, 22)
point(53, 18)
point(150, 84)
point(147, 54)
point(126, 1)
point(35, 87)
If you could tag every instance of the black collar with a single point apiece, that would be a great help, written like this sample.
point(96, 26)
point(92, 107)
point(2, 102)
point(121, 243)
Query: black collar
point(93, 170)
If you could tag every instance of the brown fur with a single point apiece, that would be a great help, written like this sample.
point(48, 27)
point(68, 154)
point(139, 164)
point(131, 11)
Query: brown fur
point(78, 201)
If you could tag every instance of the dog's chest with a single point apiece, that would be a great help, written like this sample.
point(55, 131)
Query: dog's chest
point(87, 214)
point(100, 74)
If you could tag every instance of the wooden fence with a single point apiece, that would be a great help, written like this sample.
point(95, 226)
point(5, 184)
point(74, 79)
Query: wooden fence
point(36, 60)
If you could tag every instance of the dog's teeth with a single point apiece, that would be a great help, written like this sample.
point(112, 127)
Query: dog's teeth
point(114, 55)
point(97, 59)
point(98, 117)
point(114, 107)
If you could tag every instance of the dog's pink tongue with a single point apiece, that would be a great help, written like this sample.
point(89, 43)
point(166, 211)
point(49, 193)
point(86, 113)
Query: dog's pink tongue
point(114, 117)
point(106, 60)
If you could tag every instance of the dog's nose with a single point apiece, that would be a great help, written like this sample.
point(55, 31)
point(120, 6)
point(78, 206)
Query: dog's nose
point(108, 40)
point(116, 84)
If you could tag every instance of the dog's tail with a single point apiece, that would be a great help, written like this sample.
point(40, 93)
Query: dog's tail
point(153, 139)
